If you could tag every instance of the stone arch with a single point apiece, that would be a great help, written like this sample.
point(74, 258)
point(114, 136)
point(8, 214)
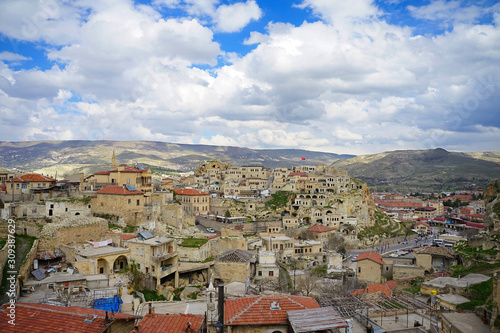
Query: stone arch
point(120, 263)
point(102, 266)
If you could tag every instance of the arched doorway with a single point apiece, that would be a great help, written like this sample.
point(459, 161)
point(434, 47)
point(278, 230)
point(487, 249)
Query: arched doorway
point(102, 266)
point(120, 263)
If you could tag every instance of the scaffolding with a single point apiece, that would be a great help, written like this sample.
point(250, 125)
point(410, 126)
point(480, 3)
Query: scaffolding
point(382, 306)
point(82, 298)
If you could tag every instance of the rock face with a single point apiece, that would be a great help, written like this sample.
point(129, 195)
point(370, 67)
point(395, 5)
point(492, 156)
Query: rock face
point(492, 203)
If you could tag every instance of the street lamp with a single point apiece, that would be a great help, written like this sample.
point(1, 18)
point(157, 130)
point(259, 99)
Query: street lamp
point(218, 327)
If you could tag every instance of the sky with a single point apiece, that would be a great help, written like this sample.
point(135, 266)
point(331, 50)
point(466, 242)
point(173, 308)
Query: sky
point(340, 76)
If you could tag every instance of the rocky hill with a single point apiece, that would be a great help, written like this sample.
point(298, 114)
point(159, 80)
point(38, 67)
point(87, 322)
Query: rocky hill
point(420, 170)
point(404, 170)
point(89, 156)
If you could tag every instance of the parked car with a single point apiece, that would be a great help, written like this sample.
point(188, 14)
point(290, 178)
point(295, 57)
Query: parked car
point(210, 230)
point(354, 258)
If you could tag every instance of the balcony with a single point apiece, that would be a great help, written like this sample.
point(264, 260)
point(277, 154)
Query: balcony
point(167, 270)
point(163, 256)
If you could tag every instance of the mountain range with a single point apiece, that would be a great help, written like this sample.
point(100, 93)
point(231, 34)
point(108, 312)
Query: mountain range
point(405, 170)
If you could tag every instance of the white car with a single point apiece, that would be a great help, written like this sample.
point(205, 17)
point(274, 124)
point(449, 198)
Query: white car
point(210, 230)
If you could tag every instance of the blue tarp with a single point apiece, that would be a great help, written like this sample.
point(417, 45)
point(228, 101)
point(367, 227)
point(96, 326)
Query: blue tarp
point(109, 304)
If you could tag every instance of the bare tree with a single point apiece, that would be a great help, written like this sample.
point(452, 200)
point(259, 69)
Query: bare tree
point(307, 283)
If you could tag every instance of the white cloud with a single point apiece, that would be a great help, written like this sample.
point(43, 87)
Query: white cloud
point(9, 56)
point(447, 12)
point(218, 140)
point(232, 18)
point(349, 83)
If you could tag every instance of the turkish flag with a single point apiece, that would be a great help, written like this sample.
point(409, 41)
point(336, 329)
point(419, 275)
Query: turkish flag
point(303, 158)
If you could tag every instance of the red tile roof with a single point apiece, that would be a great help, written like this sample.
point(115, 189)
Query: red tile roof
point(127, 237)
point(32, 178)
point(169, 323)
point(102, 173)
point(118, 190)
point(373, 256)
point(391, 284)
point(319, 228)
point(34, 317)
point(421, 223)
point(129, 169)
point(257, 310)
point(189, 191)
point(475, 225)
point(298, 173)
point(373, 288)
point(3, 188)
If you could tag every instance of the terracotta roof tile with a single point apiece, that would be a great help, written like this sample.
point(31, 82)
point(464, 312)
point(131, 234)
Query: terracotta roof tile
point(127, 237)
point(34, 317)
point(170, 323)
point(373, 288)
point(189, 191)
point(257, 310)
point(475, 225)
point(33, 177)
point(422, 223)
point(118, 190)
point(373, 256)
point(319, 228)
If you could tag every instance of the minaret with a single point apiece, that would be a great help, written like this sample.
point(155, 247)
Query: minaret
point(113, 161)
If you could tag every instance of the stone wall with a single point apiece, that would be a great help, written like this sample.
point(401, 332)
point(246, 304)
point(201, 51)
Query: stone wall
point(197, 254)
point(3, 259)
point(231, 271)
point(26, 266)
point(76, 229)
point(407, 271)
point(67, 208)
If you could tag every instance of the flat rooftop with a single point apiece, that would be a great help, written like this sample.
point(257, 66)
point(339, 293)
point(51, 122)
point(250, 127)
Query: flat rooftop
point(464, 282)
point(152, 241)
point(102, 251)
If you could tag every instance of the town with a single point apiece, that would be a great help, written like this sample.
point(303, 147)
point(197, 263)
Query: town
point(231, 248)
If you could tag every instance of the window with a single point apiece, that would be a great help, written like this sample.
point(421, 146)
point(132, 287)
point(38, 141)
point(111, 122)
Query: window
point(137, 251)
point(129, 201)
point(260, 273)
point(359, 269)
point(128, 180)
point(386, 268)
point(271, 273)
point(138, 202)
point(142, 251)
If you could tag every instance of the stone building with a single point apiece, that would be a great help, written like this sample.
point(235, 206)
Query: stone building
point(124, 201)
point(234, 265)
point(140, 178)
point(308, 249)
point(156, 257)
point(369, 267)
point(193, 201)
point(25, 184)
point(266, 266)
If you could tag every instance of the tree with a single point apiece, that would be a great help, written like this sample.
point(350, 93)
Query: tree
point(227, 213)
point(307, 283)
point(335, 242)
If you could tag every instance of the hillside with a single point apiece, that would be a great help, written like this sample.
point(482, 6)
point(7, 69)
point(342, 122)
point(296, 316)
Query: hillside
point(418, 170)
point(404, 170)
point(69, 157)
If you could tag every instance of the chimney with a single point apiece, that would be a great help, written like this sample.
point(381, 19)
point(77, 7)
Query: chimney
point(220, 304)
point(149, 305)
